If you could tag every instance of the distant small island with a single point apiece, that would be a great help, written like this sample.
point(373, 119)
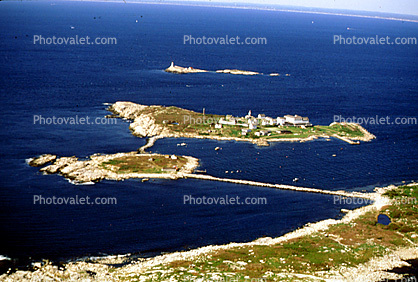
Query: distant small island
point(180, 70)
point(161, 121)
point(183, 70)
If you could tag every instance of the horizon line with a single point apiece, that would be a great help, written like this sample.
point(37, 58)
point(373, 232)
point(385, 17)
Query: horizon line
point(254, 6)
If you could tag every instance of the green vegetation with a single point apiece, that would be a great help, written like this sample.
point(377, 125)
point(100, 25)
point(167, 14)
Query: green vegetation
point(144, 164)
point(341, 245)
point(404, 212)
point(184, 121)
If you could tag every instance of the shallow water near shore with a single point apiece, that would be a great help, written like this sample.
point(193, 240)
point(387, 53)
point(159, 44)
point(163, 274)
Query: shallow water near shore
point(149, 218)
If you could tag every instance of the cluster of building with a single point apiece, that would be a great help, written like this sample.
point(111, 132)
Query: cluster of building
point(252, 123)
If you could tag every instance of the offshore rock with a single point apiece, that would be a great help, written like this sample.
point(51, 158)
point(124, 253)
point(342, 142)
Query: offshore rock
point(42, 160)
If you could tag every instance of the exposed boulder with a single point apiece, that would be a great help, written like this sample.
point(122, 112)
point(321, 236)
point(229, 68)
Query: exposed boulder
point(59, 164)
point(42, 160)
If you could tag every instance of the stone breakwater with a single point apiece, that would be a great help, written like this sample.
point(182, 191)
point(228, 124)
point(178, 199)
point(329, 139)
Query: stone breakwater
point(92, 169)
point(341, 193)
point(150, 142)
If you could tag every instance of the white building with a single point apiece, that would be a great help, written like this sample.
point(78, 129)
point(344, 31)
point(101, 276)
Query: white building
point(252, 120)
point(281, 120)
point(218, 125)
point(297, 120)
point(252, 125)
point(262, 133)
point(232, 121)
point(269, 121)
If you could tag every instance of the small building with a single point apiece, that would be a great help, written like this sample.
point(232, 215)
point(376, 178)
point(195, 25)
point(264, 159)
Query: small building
point(231, 121)
point(262, 133)
point(173, 157)
point(261, 116)
point(281, 120)
point(252, 125)
point(218, 125)
point(269, 121)
point(169, 169)
point(252, 120)
point(244, 132)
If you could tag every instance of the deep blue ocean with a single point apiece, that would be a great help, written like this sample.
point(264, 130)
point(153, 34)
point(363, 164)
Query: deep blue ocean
point(150, 218)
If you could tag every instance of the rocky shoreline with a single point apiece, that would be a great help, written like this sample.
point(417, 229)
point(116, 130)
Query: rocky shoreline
point(102, 269)
point(92, 169)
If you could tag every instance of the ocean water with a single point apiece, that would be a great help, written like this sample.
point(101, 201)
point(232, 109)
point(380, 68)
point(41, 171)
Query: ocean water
point(150, 218)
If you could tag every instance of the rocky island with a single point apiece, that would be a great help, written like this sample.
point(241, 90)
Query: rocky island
point(235, 71)
point(182, 70)
point(173, 122)
point(116, 166)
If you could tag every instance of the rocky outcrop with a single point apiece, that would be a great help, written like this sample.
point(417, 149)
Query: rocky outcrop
point(367, 135)
point(127, 110)
point(42, 160)
point(145, 126)
point(262, 143)
point(143, 123)
point(235, 71)
point(92, 170)
point(59, 164)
